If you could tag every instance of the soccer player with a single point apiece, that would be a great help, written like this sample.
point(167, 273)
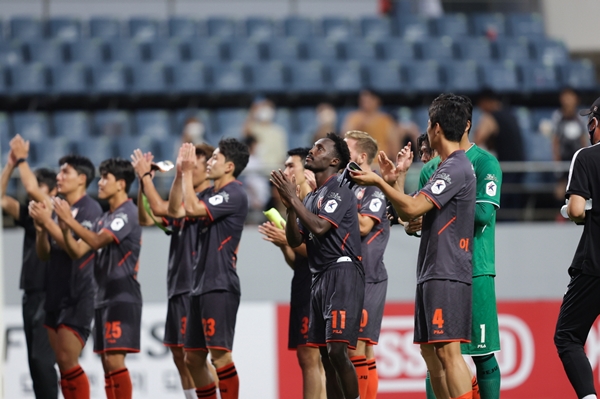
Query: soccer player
point(40, 185)
point(116, 239)
point(70, 280)
point(485, 336)
point(183, 250)
point(444, 271)
point(215, 295)
point(579, 308)
point(375, 234)
point(308, 355)
point(328, 224)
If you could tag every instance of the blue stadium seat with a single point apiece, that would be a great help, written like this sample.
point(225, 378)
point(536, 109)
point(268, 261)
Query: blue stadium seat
point(269, 77)
point(537, 148)
point(189, 77)
point(156, 124)
point(97, 149)
point(70, 79)
point(579, 75)
point(529, 25)
point(88, 51)
point(5, 137)
point(124, 50)
point(375, 28)
point(500, 76)
point(398, 50)
point(65, 29)
point(515, 49)
point(489, 24)
point(523, 115)
point(283, 49)
point(437, 48)
point(307, 77)
point(11, 53)
point(307, 121)
point(424, 76)
point(478, 49)
point(182, 27)
point(205, 50)
point(336, 28)
point(49, 52)
point(550, 51)
point(462, 76)
point(124, 147)
point(454, 25)
point(3, 81)
point(230, 122)
point(359, 50)
point(538, 115)
point(166, 149)
point(322, 50)
point(243, 50)
point(540, 77)
point(205, 116)
point(229, 78)
point(149, 78)
point(28, 79)
point(385, 76)
point(420, 116)
point(112, 124)
point(105, 27)
point(167, 51)
point(47, 151)
point(75, 125)
point(109, 79)
point(31, 125)
point(346, 77)
point(283, 117)
point(143, 29)
point(259, 28)
point(298, 27)
point(411, 27)
point(221, 27)
point(26, 28)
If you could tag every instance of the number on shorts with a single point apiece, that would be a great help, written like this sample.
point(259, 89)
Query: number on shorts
point(482, 326)
point(464, 244)
point(183, 325)
point(334, 319)
point(112, 330)
point(209, 327)
point(304, 328)
point(438, 318)
point(364, 320)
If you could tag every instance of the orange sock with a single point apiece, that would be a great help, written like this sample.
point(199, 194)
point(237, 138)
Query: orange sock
point(207, 392)
point(373, 380)
point(468, 395)
point(77, 384)
point(108, 387)
point(229, 382)
point(475, 384)
point(64, 387)
point(121, 384)
point(362, 372)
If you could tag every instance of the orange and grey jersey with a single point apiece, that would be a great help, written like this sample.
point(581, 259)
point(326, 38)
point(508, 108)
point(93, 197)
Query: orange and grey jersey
point(117, 264)
point(445, 252)
point(301, 281)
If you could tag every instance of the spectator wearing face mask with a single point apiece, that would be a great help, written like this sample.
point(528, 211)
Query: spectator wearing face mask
point(193, 131)
point(271, 138)
point(326, 121)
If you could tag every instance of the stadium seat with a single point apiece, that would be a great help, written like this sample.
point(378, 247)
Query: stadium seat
point(420, 116)
point(75, 125)
point(167, 51)
point(88, 51)
point(539, 115)
point(243, 50)
point(31, 125)
point(65, 29)
point(462, 76)
point(109, 79)
point(500, 76)
point(550, 51)
point(478, 49)
point(411, 27)
point(70, 79)
point(105, 27)
point(259, 28)
point(206, 117)
point(49, 52)
point(182, 28)
point(124, 147)
point(229, 78)
point(537, 148)
point(346, 77)
point(515, 49)
point(322, 50)
point(11, 53)
point(143, 29)
point(29, 79)
point(5, 136)
point(97, 149)
point(221, 27)
point(26, 28)
point(375, 28)
point(298, 27)
point(579, 75)
point(454, 25)
point(268, 77)
point(529, 25)
point(283, 117)
point(424, 76)
point(47, 151)
point(306, 118)
point(3, 81)
point(336, 28)
point(189, 78)
point(359, 50)
point(439, 49)
point(230, 122)
point(112, 124)
point(523, 115)
point(307, 77)
point(166, 149)
point(398, 50)
point(156, 124)
point(205, 50)
point(149, 78)
point(124, 50)
point(385, 76)
point(539, 77)
point(283, 49)
point(491, 25)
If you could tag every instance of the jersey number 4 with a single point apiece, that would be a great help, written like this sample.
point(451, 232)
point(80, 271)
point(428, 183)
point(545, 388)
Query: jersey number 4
point(438, 318)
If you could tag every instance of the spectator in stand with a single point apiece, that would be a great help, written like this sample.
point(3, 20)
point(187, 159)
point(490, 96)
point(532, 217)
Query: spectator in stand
point(369, 118)
point(326, 121)
point(256, 183)
point(193, 131)
point(272, 138)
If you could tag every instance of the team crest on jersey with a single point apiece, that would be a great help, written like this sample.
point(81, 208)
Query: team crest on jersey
point(438, 186)
point(491, 177)
point(491, 188)
point(360, 193)
point(319, 202)
point(117, 224)
point(335, 196)
point(219, 198)
point(375, 205)
point(74, 212)
point(122, 216)
point(331, 206)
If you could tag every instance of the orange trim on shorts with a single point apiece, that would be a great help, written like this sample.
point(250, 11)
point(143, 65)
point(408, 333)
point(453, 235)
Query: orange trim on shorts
point(461, 340)
point(342, 340)
point(446, 225)
point(369, 341)
point(219, 348)
point(173, 345)
point(316, 346)
point(194, 349)
point(128, 350)
point(81, 341)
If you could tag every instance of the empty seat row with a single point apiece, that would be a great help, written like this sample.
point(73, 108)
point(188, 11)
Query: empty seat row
point(455, 25)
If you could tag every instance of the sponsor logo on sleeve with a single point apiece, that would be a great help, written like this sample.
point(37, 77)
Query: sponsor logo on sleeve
point(216, 200)
point(375, 205)
point(491, 177)
point(331, 206)
point(117, 224)
point(438, 186)
point(360, 193)
point(491, 188)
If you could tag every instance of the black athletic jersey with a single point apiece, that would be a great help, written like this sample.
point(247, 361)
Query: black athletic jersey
point(220, 237)
point(301, 281)
point(372, 203)
point(117, 264)
point(33, 270)
point(337, 205)
point(445, 252)
point(67, 280)
point(584, 180)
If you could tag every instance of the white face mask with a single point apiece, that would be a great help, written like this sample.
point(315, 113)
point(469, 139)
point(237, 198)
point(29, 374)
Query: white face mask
point(326, 117)
point(264, 114)
point(195, 132)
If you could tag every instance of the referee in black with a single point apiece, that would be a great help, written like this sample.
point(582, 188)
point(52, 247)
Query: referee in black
point(581, 303)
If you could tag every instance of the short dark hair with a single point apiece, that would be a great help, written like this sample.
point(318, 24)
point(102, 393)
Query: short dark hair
point(423, 138)
point(341, 149)
point(120, 168)
point(448, 111)
point(301, 152)
point(204, 150)
point(236, 152)
point(82, 165)
point(468, 109)
point(46, 176)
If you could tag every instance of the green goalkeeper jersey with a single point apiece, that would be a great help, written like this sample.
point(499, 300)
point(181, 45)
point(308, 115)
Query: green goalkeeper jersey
point(489, 181)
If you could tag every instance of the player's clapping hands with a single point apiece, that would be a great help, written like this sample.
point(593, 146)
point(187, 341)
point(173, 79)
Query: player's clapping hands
point(404, 159)
point(142, 163)
point(273, 234)
point(187, 153)
point(40, 212)
point(63, 211)
point(19, 147)
point(286, 187)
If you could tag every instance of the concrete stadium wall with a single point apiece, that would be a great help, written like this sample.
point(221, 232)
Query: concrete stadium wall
point(571, 22)
point(532, 262)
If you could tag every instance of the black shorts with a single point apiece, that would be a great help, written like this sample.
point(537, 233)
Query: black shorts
point(76, 318)
point(211, 321)
point(298, 329)
point(442, 312)
point(372, 314)
point(117, 327)
point(175, 326)
point(336, 305)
